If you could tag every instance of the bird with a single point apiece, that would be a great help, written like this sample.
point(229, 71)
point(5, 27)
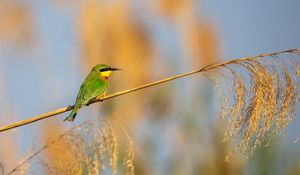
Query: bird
point(94, 85)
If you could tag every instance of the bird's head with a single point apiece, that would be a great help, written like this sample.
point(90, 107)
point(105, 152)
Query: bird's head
point(104, 71)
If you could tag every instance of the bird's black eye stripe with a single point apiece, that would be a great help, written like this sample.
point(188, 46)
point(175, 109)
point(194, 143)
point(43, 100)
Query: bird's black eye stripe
point(105, 69)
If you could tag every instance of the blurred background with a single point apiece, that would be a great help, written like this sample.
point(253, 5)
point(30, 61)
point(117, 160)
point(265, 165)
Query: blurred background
point(48, 47)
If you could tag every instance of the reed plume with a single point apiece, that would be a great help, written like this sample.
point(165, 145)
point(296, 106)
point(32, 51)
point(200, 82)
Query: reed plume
point(258, 98)
point(91, 148)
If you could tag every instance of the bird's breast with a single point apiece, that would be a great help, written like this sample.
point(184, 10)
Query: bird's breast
point(103, 78)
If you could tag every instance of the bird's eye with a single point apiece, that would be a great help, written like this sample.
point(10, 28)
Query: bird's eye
point(104, 69)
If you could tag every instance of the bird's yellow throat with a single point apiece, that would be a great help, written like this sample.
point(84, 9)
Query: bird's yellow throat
point(104, 75)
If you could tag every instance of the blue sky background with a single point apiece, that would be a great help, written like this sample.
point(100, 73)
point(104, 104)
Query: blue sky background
point(254, 27)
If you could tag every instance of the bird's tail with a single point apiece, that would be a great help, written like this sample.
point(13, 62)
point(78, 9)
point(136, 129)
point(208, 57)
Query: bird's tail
point(72, 115)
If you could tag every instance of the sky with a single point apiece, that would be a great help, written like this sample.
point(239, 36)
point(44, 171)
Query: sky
point(254, 27)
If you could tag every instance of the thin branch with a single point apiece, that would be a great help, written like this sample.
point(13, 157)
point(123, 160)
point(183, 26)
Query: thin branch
point(206, 68)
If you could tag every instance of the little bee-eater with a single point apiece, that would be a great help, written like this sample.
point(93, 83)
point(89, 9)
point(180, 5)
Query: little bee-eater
point(94, 85)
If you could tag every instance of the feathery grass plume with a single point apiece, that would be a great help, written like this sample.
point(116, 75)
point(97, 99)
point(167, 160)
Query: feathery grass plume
point(25, 167)
point(263, 93)
point(92, 148)
point(129, 159)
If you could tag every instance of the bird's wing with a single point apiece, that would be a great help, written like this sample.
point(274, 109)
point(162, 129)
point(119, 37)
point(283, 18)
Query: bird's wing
point(94, 90)
point(90, 88)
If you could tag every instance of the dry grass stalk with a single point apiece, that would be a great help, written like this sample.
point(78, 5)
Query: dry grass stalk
point(92, 148)
point(264, 94)
point(210, 67)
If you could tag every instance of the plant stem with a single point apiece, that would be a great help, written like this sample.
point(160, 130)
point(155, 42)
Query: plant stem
point(206, 68)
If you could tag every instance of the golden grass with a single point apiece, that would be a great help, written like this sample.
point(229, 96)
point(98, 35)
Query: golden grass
point(263, 99)
point(90, 148)
point(129, 158)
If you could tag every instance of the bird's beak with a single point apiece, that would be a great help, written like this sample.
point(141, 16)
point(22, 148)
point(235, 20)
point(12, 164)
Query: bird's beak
point(114, 69)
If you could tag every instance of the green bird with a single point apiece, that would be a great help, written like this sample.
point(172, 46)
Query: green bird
point(94, 85)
